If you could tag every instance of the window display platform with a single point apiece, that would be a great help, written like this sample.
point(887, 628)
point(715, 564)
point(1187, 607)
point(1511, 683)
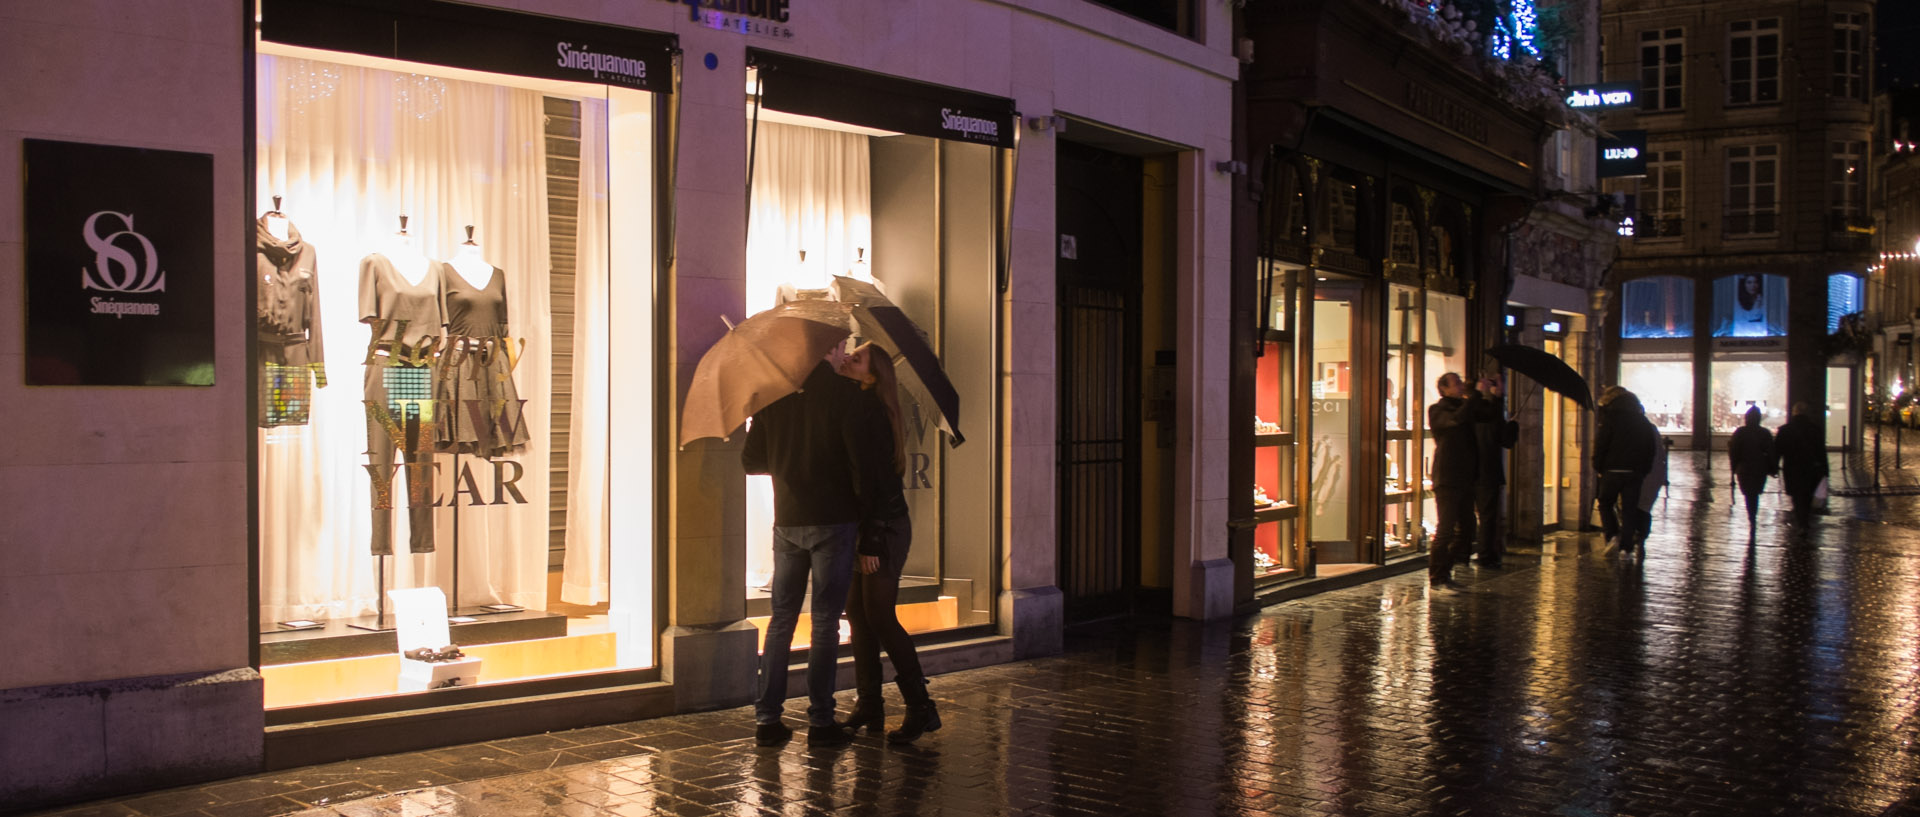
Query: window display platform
point(349, 638)
point(913, 590)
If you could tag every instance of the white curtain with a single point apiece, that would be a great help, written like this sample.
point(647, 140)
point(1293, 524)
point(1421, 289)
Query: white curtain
point(812, 192)
point(351, 149)
point(584, 580)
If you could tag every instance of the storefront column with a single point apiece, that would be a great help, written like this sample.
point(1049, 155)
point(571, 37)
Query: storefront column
point(1204, 590)
point(709, 651)
point(1030, 603)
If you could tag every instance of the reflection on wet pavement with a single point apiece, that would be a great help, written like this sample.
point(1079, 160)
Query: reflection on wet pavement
point(1713, 677)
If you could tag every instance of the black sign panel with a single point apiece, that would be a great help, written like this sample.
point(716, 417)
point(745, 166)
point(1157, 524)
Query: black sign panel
point(1623, 154)
point(873, 100)
point(482, 39)
point(119, 266)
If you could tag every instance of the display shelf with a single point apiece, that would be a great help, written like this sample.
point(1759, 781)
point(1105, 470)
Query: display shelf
point(343, 639)
point(1399, 434)
point(1277, 438)
point(1275, 513)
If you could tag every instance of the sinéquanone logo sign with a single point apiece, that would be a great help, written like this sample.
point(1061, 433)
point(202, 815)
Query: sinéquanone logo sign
point(124, 261)
point(969, 127)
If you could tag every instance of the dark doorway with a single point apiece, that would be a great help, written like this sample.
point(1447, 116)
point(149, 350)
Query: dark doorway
point(1099, 216)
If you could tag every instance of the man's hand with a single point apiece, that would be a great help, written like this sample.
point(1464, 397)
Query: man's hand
point(868, 565)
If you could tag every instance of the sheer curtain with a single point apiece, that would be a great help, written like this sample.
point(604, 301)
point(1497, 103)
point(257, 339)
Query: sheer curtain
point(351, 149)
point(584, 580)
point(812, 192)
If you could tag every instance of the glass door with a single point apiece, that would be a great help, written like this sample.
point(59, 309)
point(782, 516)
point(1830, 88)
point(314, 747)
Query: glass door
point(1331, 448)
point(1552, 414)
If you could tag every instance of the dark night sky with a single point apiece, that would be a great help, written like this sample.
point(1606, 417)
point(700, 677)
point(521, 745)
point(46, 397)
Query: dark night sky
point(1898, 39)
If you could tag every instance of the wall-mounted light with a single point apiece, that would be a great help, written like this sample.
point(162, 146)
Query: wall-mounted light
point(1057, 124)
point(1234, 168)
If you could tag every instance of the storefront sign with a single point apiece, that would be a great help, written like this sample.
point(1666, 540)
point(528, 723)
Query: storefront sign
point(1774, 344)
point(857, 97)
point(1624, 154)
point(483, 39)
point(1603, 95)
point(1445, 112)
point(119, 266)
point(767, 18)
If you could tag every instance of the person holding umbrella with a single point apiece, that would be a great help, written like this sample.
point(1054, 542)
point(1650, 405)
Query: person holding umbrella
point(809, 441)
point(1750, 456)
point(1494, 435)
point(885, 535)
point(1456, 471)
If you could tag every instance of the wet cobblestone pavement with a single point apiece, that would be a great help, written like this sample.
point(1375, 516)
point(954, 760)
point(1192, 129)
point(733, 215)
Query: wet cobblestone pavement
point(1710, 677)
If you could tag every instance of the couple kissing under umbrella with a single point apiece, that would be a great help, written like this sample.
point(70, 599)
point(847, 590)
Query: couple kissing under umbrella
point(827, 428)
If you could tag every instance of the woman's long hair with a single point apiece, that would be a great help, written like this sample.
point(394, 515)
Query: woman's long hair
point(886, 384)
point(1748, 299)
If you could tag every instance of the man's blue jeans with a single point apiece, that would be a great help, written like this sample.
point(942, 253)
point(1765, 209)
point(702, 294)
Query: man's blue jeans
point(825, 552)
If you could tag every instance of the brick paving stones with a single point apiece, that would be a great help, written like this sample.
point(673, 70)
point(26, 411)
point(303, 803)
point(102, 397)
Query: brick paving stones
point(1713, 676)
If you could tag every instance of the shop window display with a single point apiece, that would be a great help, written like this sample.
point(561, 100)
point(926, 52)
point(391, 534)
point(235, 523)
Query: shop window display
point(1405, 475)
point(1846, 295)
point(1276, 539)
point(436, 330)
point(1665, 388)
point(1658, 307)
point(1739, 384)
point(1749, 305)
point(914, 216)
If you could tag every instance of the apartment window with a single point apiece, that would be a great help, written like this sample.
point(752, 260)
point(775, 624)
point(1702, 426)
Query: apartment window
point(1850, 56)
point(1753, 190)
point(1848, 183)
point(1662, 68)
point(1753, 61)
point(1663, 212)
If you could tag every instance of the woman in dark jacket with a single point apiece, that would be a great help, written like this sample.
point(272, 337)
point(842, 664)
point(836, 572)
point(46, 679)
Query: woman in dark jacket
point(1802, 449)
point(885, 535)
point(1623, 454)
point(1750, 454)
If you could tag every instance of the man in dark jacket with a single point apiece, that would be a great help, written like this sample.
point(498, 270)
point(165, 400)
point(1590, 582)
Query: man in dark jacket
point(1493, 435)
point(1802, 449)
point(809, 442)
point(1456, 471)
point(1623, 454)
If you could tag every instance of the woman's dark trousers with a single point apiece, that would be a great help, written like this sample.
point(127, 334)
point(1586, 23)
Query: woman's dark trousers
point(870, 615)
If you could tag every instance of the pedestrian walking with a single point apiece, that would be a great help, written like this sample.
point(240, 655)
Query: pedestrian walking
point(1751, 458)
point(1623, 452)
point(1494, 435)
point(806, 441)
point(1802, 450)
point(1455, 474)
point(1650, 489)
point(885, 535)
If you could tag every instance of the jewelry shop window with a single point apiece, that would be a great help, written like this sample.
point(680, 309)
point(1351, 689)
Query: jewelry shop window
point(455, 334)
point(899, 185)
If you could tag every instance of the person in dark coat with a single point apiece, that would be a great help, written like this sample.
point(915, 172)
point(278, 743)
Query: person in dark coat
point(1623, 454)
point(1802, 450)
point(1455, 473)
point(1750, 456)
point(809, 441)
point(1493, 435)
point(885, 536)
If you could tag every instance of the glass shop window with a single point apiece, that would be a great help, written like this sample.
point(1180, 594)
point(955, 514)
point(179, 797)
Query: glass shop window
point(1658, 307)
point(1846, 295)
point(1665, 387)
point(914, 216)
point(442, 313)
point(1749, 305)
point(1739, 384)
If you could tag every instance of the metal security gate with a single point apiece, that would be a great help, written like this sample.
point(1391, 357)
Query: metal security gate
point(1099, 272)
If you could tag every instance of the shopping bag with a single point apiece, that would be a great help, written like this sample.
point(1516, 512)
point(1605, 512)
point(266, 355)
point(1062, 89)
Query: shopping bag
point(1820, 495)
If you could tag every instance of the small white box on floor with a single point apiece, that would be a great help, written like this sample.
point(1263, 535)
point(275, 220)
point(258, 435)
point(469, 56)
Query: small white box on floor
point(420, 621)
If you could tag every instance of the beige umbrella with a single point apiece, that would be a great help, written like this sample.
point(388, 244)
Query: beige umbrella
point(765, 358)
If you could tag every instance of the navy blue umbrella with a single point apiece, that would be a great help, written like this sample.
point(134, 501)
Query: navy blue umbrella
point(1544, 369)
point(882, 322)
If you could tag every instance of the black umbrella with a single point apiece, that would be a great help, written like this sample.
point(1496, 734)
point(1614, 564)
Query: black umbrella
point(1544, 369)
point(879, 320)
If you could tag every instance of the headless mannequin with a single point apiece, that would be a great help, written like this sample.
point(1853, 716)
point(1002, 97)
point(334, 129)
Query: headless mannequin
point(407, 259)
point(470, 262)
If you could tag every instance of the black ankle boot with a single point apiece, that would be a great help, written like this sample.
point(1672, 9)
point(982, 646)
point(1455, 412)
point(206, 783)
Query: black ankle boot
point(921, 719)
point(872, 717)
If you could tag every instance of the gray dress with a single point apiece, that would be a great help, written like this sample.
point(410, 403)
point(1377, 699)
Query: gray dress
point(484, 412)
point(406, 320)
